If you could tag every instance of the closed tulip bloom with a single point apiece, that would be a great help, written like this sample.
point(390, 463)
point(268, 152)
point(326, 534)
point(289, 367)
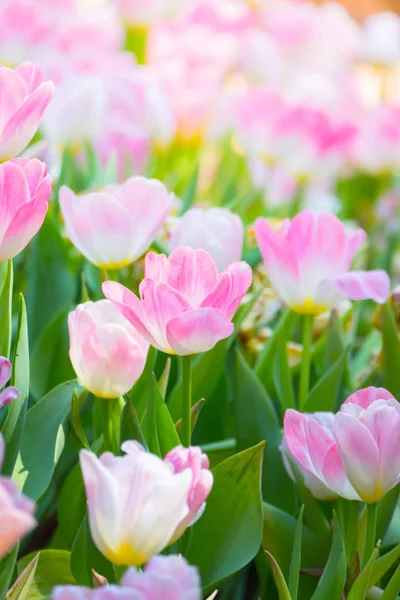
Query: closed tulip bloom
point(202, 480)
point(185, 306)
point(115, 226)
point(217, 230)
point(25, 98)
point(308, 262)
point(309, 441)
point(16, 512)
point(107, 353)
point(135, 503)
point(367, 431)
point(163, 578)
point(10, 393)
point(24, 190)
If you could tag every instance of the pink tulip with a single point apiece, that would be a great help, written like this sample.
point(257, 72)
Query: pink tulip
point(185, 306)
point(115, 226)
point(217, 230)
point(24, 191)
point(309, 441)
point(202, 480)
point(367, 432)
point(107, 353)
point(135, 503)
point(16, 512)
point(10, 393)
point(163, 578)
point(25, 98)
point(308, 262)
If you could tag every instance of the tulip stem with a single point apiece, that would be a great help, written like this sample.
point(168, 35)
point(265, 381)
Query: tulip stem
point(186, 401)
point(111, 414)
point(370, 536)
point(305, 360)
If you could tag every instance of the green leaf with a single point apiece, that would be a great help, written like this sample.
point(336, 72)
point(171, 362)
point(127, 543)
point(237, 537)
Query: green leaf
point(383, 564)
point(279, 579)
point(166, 433)
point(85, 557)
point(332, 582)
point(130, 425)
point(324, 394)
point(14, 424)
point(71, 505)
point(140, 391)
point(21, 588)
point(282, 376)
point(393, 587)
point(75, 418)
point(363, 583)
point(52, 569)
point(194, 415)
point(44, 438)
point(228, 535)
point(255, 421)
point(390, 351)
point(7, 566)
point(191, 190)
point(6, 288)
point(151, 418)
point(296, 558)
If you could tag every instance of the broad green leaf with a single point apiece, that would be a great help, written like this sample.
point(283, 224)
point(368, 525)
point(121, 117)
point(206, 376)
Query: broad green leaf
point(45, 430)
point(6, 288)
point(166, 432)
point(75, 418)
point(14, 425)
point(71, 505)
point(52, 569)
point(386, 510)
point(228, 535)
point(140, 391)
point(130, 425)
point(323, 396)
point(296, 558)
point(390, 351)
point(279, 579)
point(282, 376)
point(21, 588)
point(7, 567)
point(363, 583)
point(384, 563)
point(255, 421)
point(332, 582)
point(85, 557)
point(392, 589)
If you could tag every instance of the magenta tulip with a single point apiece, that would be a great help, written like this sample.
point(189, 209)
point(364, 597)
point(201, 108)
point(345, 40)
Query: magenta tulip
point(10, 393)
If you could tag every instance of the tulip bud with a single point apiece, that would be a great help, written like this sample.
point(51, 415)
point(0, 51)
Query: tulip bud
point(10, 393)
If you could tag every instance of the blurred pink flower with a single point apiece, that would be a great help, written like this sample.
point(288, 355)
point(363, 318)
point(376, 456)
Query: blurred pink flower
point(185, 306)
point(163, 578)
point(115, 226)
point(381, 39)
point(107, 353)
point(24, 191)
point(202, 480)
point(10, 393)
point(308, 262)
point(25, 97)
point(217, 230)
point(143, 14)
point(135, 503)
point(16, 512)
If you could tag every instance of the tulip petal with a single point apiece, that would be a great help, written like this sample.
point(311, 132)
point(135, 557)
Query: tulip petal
point(5, 371)
point(32, 75)
point(367, 396)
point(335, 476)
point(197, 330)
point(364, 285)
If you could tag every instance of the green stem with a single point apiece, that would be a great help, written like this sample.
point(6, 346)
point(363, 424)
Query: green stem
point(370, 536)
point(186, 400)
point(111, 414)
point(305, 360)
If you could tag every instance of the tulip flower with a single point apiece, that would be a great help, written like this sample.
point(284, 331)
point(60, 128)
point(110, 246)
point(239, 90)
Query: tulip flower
point(16, 512)
point(25, 98)
point(10, 393)
point(308, 262)
point(135, 503)
point(24, 191)
point(217, 230)
point(107, 353)
point(367, 433)
point(115, 226)
point(381, 39)
point(309, 441)
point(185, 306)
point(202, 480)
point(163, 578)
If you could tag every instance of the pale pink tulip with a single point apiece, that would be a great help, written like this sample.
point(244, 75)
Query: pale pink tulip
point(381, 39)
point(308, 262)
point(24, 190)
point(16, 512)
point(25, 97)
point(202, 480)
point(107, 353)
point(115, 226)
point(10, 393)
point(367, 432)
point(309, 441)
point(135, 503)
point(185, 306)
point(217, 230)
point(163, 578)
